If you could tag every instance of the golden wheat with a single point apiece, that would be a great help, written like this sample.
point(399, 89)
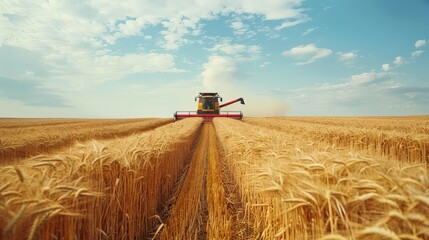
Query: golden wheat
point(296, 190)
point(270, 178)
point(18, 141)
point(392, 142)
point(95, 189)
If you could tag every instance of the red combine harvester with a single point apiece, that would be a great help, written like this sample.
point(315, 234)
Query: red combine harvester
point(208, 108)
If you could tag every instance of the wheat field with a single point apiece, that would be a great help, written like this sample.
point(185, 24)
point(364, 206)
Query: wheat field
point(260, 178)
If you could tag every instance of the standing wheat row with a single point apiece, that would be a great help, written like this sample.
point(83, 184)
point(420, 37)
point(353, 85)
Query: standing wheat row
point(404, 146)
point(294, 189)
point(21, 142)
point(111, 189)
point(404, 124)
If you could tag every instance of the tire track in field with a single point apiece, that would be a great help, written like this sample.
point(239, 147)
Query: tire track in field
point(186, 216)
point(219, 218)
point(207, 204)
point(168, 205)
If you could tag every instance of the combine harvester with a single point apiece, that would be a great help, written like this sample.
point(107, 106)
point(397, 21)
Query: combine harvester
point(208, 108)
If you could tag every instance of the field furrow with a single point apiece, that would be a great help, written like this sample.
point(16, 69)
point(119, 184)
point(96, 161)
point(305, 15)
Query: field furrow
point(185, 219)
point(201, 209)
point(219, 225)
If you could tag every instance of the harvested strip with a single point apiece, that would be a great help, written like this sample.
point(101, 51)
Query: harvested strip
point(219, 220)
point(168, 205)
point(184, 219)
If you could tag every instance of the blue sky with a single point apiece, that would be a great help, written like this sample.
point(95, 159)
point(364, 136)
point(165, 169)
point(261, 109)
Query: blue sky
point(119, 59)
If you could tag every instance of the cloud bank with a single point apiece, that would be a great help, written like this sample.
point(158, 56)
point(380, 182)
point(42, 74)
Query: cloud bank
point(305, 54)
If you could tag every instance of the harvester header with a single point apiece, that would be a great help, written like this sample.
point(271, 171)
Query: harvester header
point(209, 108)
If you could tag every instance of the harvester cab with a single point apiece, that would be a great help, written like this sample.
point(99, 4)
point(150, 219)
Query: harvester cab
point(209, 108)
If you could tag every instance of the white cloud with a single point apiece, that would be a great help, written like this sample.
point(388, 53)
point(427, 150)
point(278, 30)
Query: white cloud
point(358, 80)
point(420, 43)
point(41, 29)
point(71, 37)
point(230, 48)
point(254, 49)
point(97, 69)
point(239, 27)
point(385, 67)
point(367, 77)
point(73, 43)
point(416, 53)
point(292, 23)
point(308, 31)
point(264, 64)
point(175, 34)
point(219, 71)
point(177, 28)
point(288, 10)
point(398, 61)
point(131, 27)
point(272, 10)
point(306, 54)
point(179, 19)
point(346, 56)
point(236, 50)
